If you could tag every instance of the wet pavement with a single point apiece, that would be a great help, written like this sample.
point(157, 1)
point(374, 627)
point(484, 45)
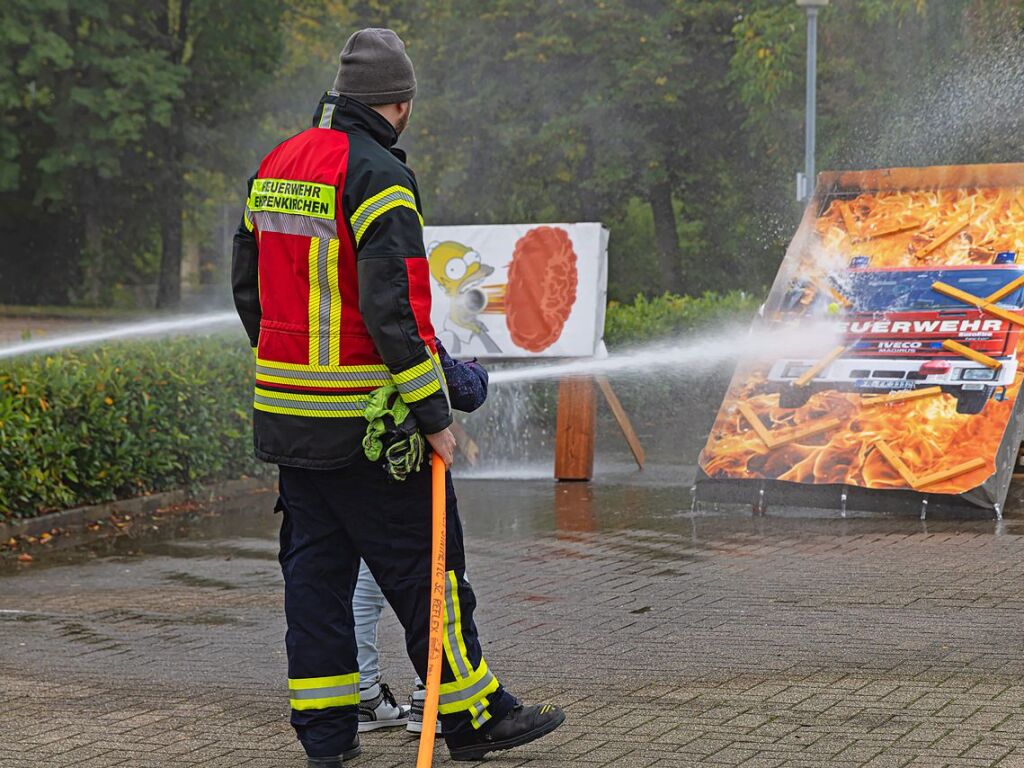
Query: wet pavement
point(673, 638)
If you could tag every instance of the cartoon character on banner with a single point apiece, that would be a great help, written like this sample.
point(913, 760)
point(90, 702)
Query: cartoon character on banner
point(536, 300)
point(457, 268)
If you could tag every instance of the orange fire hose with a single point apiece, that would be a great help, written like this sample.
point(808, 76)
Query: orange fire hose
point(435, 649)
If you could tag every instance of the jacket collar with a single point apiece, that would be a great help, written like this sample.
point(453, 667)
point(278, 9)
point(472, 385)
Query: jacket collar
point(351, 116)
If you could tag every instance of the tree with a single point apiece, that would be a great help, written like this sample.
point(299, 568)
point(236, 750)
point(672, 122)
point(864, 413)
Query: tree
point(226, 49)
point(584, 105)
point(80, 88)
point(127, 128)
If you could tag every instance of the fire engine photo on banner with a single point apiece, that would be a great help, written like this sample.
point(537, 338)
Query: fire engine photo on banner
point(919, 273)
point(519, 290)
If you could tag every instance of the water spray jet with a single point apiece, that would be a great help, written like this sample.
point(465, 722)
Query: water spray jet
point(696, 353)
point(173, 325)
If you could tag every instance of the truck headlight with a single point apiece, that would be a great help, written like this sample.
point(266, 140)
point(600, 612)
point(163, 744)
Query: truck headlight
point(978, 374)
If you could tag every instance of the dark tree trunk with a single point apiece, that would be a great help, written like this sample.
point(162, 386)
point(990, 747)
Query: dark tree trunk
point(174, 24)
point(210, 259)
point(95, 257)
point(666, 237)
point(168, 291)
point(169, 285)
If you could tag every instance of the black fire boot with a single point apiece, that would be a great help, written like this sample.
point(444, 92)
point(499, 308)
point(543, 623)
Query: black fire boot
point(520, 726)
point(336, 762)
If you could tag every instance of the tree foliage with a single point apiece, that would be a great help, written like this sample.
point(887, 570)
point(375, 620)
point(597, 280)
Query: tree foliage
point(127, 128)
point(107, 107)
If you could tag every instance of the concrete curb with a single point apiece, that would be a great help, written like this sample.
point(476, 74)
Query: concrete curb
point(138, 506)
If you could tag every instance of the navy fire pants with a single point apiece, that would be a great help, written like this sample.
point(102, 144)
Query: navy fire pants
point(331, 519)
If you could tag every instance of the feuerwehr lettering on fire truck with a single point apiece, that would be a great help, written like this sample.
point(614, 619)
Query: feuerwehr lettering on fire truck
point(921, 326)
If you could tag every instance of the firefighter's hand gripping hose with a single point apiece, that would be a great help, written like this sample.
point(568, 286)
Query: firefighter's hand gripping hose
point(437, 578)
point(392, 433)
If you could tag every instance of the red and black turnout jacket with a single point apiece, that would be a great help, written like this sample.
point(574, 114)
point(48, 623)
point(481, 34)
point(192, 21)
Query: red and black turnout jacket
point(330, 279)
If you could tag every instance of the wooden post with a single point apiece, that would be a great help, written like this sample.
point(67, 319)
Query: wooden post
point(576, 428)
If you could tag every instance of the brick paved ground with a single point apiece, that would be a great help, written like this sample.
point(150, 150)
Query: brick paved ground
point(672, 639)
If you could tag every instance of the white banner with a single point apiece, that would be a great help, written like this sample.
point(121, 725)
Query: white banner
point(519, 290)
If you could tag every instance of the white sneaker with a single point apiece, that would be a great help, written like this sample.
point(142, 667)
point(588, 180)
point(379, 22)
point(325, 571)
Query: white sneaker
point(378, 709)
point(416, 702)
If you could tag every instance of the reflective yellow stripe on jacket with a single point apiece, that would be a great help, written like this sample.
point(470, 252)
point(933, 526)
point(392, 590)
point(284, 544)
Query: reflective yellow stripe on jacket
point(420, 381)
point(326, 376)
point(324, 302)
point(315, 405)
point(396, 196)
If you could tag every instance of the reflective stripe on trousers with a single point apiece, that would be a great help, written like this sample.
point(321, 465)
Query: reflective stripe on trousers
point(324, 692)
point(469, 690)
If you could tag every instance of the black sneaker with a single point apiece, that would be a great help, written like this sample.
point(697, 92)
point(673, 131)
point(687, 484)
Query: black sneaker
point(417, 701)
point(378, 709)
point(351, 753)
point(520, 726)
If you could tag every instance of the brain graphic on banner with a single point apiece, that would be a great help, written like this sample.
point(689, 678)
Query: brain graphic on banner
point(518, 291)
point(541, 288)
point(918, 273)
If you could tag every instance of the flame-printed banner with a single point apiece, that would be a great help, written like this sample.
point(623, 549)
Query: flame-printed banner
point(921, 274)
point(519, 290)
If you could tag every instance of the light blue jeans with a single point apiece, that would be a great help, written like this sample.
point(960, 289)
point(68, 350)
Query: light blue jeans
point(367, 604)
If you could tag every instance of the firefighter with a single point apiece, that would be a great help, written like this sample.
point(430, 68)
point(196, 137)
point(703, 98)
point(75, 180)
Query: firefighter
point(332, 285)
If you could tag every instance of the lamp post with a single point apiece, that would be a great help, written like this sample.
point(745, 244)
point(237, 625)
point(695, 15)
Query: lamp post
point(805, 180)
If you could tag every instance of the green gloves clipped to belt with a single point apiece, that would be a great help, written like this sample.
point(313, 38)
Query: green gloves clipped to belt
point(393, 434)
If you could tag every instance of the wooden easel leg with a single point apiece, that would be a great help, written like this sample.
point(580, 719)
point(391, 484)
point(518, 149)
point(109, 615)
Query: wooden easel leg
point(622, 419)
point(576, 427)
point(467, 445)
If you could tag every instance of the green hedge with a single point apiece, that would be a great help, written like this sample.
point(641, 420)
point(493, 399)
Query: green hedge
point(669, 315)
point(86, 427)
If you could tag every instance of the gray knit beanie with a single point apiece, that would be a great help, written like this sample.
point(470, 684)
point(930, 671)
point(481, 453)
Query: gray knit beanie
point(375, 69)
